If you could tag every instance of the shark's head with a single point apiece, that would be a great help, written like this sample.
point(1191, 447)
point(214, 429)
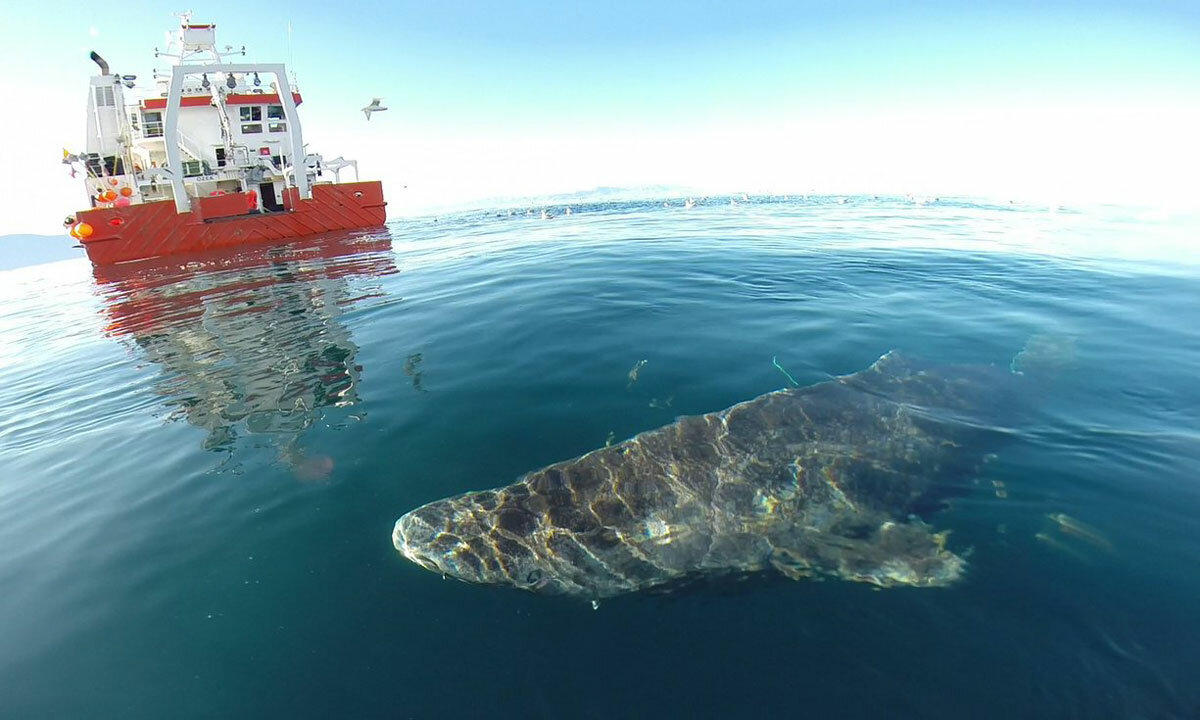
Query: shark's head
point(478, 538)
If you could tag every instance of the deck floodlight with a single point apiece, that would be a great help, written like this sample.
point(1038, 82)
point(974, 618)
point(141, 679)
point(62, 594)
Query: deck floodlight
point(230, 81)
point(257, 82)
point(204, 83)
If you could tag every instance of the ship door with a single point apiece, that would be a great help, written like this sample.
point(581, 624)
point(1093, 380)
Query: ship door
point(270, 203)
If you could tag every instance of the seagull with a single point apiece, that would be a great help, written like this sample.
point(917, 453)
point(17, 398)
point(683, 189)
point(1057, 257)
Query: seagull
point(373, 107)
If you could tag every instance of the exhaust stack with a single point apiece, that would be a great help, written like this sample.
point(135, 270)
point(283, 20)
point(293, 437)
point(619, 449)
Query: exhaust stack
point(101, 62)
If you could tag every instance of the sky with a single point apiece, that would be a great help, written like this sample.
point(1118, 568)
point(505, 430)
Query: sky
point(1039, 101)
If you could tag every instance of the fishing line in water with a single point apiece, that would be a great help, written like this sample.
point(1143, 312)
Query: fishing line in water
point(775, 362)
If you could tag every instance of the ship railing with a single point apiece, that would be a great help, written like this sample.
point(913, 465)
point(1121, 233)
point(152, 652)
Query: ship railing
point(312, 166)
point(338, 164)
point(189, 146)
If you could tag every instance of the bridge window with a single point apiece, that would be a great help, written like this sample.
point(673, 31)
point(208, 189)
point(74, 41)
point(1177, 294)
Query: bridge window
point(251, 113)
point(274, 112)
point(277, 127)
point(252, 128)
point(152, 119)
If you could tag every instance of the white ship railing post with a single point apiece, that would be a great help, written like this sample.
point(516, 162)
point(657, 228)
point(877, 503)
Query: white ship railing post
point(171, 137)
point(299, 163)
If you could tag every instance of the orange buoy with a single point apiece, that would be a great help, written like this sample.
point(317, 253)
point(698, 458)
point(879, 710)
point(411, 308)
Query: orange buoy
point(83, 230)
point(73, 232)
point(108, 196)
point(126, 192)
point(113, 182)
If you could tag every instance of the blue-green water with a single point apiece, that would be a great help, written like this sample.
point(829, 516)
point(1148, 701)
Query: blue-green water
point(201, 462)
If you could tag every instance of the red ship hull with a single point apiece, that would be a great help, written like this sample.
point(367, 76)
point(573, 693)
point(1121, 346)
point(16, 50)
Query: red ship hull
point(153, 229)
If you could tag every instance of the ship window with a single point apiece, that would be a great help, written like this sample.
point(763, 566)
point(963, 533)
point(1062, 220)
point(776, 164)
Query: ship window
point(279, 160)
point(220, 157)
point(277, 127)
point(153, 122)
point(192, 168)
point(274, 112)
point(251, 128)
point(104, 96)
point(101, 166)
point(251, 113)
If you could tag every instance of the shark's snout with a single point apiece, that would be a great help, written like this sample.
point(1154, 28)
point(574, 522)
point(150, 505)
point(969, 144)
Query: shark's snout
point(414, 539)
point(474, 538)
point(448, 538)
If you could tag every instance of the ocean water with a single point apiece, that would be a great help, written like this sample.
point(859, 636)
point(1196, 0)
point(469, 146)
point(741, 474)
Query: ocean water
point(201, 461)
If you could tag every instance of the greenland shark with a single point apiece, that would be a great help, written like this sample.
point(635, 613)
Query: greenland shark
point(826, 480)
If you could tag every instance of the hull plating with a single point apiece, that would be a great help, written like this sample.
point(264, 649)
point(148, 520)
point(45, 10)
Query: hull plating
point(155, 229)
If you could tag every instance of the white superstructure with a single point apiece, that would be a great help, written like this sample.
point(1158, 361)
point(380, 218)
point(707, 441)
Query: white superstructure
point(234, 126)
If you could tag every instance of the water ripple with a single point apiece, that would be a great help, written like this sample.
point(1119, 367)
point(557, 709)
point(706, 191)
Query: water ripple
point(202, 457)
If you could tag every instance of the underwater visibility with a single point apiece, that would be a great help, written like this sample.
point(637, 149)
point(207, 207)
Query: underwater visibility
point(231, 485)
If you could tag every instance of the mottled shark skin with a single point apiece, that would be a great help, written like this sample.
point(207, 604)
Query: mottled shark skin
point(819, 480)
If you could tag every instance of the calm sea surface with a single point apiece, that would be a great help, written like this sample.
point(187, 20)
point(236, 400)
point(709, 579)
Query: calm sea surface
point(201, 462)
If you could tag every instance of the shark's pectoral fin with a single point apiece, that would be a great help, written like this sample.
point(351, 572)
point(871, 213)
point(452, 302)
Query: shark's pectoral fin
point(904, 554)
point(891, 554)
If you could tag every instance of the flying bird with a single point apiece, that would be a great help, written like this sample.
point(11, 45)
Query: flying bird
point(373, 107)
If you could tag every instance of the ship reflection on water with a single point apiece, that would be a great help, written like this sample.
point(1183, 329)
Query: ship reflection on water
point(252, 343)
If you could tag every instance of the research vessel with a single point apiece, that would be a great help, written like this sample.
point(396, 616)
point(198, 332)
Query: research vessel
point(212, 156)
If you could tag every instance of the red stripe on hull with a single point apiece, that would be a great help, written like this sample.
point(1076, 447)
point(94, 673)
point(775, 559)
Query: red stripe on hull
point(154, 229)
